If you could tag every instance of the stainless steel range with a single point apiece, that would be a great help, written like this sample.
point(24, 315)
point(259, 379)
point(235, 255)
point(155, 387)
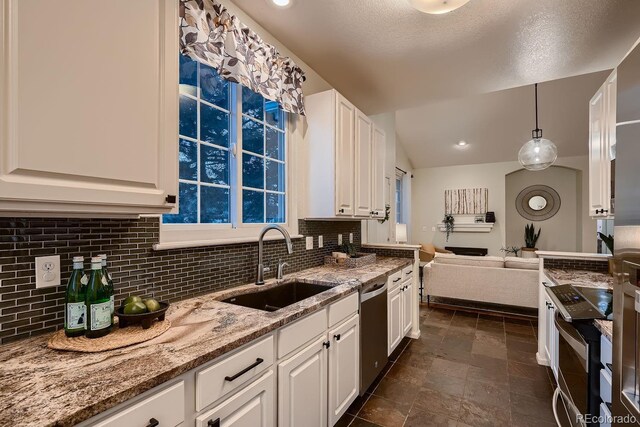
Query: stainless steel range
point(577, 398)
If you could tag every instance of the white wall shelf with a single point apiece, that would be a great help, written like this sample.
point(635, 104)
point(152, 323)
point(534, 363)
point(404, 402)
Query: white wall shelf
point(484, 227)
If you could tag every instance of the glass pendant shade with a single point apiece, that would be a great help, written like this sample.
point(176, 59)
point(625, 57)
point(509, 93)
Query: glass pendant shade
point(538, 154)
point(437, 7)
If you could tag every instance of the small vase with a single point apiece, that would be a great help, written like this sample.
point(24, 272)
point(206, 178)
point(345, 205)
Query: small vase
point(529, 252)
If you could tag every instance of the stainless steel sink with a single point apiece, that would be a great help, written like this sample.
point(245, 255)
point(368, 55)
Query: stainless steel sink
point(278, 297)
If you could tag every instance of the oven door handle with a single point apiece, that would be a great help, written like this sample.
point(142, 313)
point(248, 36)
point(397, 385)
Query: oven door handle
point(571, 336)
point(554, 405)
point(374, 292)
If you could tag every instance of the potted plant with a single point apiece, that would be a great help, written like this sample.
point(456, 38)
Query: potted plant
point(448, 224)
point(530, 240)
point(510, 250)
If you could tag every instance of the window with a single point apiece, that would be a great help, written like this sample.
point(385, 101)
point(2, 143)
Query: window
point(399, 212)
point(232, 156)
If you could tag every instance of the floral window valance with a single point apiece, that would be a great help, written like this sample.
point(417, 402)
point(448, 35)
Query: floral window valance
point(211, 35)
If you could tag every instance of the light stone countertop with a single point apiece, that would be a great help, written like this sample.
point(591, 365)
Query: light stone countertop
point(44, 387)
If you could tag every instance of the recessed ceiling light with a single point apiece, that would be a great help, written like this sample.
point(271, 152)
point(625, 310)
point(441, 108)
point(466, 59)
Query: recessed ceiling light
point(437, 7)
point(281, 3)
point(462, 143)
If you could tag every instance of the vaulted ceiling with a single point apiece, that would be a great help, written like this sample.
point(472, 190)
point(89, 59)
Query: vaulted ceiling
point(384, 55)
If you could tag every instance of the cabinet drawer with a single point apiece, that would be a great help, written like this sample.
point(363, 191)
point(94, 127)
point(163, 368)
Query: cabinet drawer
point(407, 272)
point(605, 385)
point(166, 406)
point(304, 330)
point(338, 311)
point(217, 380)
point(394, 280)
point(605, 351)
point(253, 406)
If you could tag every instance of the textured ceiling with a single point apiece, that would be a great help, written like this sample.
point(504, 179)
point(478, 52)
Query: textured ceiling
point(384, 55)
point(495, 125)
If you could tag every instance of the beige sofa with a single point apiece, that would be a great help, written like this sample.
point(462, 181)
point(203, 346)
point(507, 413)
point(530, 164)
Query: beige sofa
point(507, 281)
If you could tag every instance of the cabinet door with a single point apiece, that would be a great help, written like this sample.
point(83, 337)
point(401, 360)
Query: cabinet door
point(344, 367)
point(363, 152)
point(407, 305)
point(302, 387)
point(254, 406)
point(91, 118)
point(598, 156)
point(377, 173)
point(551, 336)
point(394, 317)
point(345, 138)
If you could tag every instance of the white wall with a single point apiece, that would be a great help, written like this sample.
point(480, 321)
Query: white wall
point(428, 202)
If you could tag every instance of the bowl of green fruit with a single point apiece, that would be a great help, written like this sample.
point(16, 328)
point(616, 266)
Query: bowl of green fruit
point(137, 311)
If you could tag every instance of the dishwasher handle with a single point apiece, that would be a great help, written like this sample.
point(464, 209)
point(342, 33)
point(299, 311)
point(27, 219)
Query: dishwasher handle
point(374, 292)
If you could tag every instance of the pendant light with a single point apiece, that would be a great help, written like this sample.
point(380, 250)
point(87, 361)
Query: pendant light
point(539, 153)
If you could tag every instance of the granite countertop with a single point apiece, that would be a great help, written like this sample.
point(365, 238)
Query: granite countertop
point(588, 279)
point(40, 386)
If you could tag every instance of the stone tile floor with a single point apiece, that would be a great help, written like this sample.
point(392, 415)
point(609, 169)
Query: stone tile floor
point(467, 369)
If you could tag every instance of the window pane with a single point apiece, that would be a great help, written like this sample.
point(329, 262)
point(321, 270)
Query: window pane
point(214, 125)
point(214, 89)
point(252, 171)
point(214, 204)
point(273, 114)
point(252, 103)
point(275, 144)
point(275, 208)
point(252, 136)
point(188, 75)
point(188, 117)
point(188, 213)
point(214, 165)
point(252, 206)
point(188, 160)
point(275, 176)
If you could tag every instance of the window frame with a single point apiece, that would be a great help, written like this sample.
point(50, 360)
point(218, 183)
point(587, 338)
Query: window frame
point(399, 196)
point(176, 235)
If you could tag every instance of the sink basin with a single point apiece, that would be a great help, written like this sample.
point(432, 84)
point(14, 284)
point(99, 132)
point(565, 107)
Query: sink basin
point(278, 297)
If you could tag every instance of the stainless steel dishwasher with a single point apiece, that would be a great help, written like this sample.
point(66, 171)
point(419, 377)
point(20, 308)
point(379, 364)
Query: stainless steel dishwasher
point(373, 333)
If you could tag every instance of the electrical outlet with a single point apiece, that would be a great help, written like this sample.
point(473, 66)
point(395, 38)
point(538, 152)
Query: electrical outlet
point(339, 239)
point(47, 271)
point(350, 237)
point(309, 242)
point(320, 242)
point(433, 229)
point(424, 228)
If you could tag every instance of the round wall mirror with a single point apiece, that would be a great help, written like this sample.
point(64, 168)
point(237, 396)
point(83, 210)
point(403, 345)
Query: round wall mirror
point(537, 203)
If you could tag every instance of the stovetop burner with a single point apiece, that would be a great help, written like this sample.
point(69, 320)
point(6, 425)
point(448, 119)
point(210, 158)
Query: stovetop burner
point(582, 303)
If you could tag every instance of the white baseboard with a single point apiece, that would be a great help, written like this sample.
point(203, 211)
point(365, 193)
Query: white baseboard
point(414, 334)
point(542, 360)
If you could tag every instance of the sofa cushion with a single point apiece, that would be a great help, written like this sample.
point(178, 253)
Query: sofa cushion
point(522, 263)
point(476, 261)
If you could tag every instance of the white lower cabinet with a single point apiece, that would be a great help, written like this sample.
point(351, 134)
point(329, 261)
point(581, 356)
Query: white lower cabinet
point(302, 387)
point(254, 406)
point(344, 367)
point(407, 301)
point(551, 336)
point(394, 318)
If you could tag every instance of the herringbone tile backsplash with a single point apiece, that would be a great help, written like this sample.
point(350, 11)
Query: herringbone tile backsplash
point(168, 275)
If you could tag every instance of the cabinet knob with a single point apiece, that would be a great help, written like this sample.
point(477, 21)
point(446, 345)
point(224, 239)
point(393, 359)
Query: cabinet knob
point(337, 337)
point(153, 422)
point(327, 344)
point(214, 423)
point(341, 210)
point(171, 198)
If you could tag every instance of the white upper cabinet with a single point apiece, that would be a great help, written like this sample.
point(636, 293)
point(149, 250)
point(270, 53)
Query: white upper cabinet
point(377, 173)
point(602, 140)
point(90, 116)
point(344, 159)
point(363, 163)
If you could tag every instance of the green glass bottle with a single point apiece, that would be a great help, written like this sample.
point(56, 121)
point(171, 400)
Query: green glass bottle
point(106, 274)
point(75, 310)
point(98, 302)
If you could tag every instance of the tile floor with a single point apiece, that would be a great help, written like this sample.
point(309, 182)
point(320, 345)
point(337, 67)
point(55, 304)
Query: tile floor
point(467, 369)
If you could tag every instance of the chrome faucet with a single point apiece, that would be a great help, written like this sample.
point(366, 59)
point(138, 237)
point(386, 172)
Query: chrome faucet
point(287, 238)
